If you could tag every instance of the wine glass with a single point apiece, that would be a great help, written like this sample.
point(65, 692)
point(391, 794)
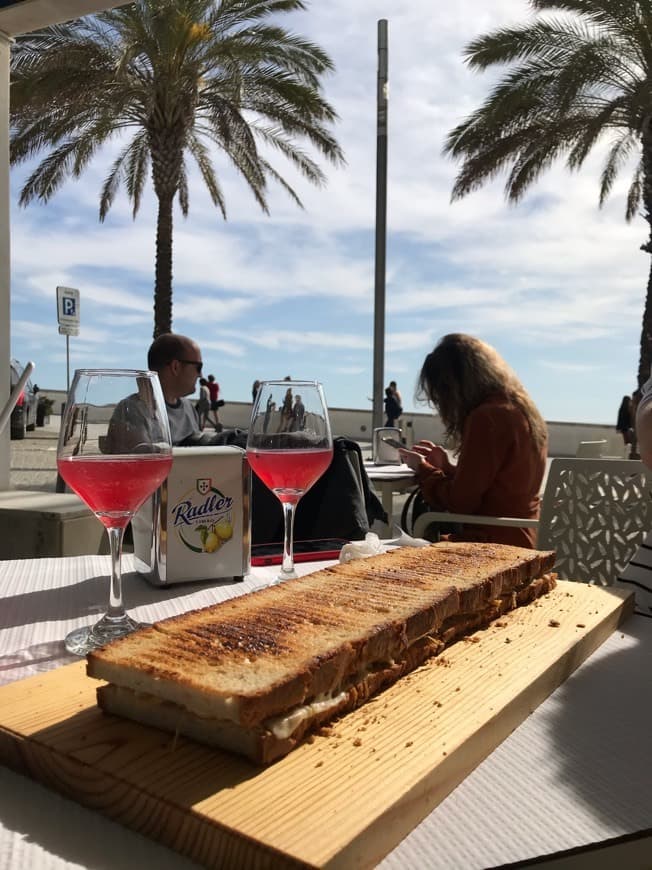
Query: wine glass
point(114, 451)
point(289, 447)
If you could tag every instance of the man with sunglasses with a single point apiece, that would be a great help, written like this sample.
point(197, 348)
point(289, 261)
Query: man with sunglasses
point(177, 359)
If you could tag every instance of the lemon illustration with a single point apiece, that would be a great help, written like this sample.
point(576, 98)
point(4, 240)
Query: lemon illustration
point(211, 543)
point(224, 530)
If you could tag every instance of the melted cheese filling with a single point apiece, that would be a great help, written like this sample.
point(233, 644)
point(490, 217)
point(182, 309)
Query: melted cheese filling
point(285, 725)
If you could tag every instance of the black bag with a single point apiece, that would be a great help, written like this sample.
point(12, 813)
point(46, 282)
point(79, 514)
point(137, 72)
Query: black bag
point(340, 505)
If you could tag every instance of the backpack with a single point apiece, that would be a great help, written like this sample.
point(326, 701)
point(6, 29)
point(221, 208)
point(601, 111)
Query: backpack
point(341, 504)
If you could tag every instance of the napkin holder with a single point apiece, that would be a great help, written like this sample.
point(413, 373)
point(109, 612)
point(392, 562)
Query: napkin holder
point(384, 453)
point(197, 526)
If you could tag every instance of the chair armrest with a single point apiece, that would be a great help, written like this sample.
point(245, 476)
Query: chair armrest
point(424, 520)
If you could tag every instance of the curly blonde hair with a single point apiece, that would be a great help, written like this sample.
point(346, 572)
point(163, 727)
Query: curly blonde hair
point(461, 373)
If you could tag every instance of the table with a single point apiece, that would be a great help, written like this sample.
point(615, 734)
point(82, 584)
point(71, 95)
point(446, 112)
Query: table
point(576, 772)
point(387, 480)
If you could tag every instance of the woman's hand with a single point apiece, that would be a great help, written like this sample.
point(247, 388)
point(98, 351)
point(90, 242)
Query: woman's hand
point(411, 458)
point(434, 455)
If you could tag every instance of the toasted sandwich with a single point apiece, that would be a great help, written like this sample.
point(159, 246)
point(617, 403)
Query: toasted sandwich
point(257, 673)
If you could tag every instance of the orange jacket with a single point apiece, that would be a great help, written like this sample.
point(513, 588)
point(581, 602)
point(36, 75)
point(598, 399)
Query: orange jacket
point(499, 473)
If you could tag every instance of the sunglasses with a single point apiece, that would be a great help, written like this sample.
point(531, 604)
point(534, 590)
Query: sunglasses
point(192, 362)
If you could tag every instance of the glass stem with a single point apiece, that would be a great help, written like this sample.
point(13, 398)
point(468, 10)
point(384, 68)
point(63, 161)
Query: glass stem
point(116, 607)
point(288, 538)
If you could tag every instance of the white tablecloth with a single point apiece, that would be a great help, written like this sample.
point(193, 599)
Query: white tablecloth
point(576, 772)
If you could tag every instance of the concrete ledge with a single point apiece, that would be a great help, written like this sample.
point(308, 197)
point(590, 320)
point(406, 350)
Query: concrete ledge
point(35, 524)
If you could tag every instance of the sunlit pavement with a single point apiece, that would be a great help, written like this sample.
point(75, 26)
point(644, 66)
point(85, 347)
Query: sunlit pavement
point(34, 459)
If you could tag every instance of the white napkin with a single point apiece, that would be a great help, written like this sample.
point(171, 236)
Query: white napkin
point(373, 545)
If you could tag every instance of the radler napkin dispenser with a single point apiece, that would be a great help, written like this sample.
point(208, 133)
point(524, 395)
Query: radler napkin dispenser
point(384, 453)
point(197, 526)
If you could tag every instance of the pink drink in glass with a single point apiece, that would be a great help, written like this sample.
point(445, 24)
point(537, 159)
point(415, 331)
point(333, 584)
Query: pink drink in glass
point(114, 487)
point(290, 473)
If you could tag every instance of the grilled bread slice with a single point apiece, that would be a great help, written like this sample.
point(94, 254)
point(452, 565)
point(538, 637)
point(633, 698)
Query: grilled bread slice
point(255, 673)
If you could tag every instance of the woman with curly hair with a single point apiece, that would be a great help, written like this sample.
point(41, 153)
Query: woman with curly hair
point(495, 429)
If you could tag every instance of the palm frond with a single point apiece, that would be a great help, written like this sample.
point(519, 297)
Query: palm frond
point(635, 193)
point(619, 152)
point(202, 158)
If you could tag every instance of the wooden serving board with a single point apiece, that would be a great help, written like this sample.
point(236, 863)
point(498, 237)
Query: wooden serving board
point(346, 798)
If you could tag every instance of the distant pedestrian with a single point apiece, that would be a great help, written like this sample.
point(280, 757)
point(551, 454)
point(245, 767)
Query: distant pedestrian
point(393, 408)
point(254, 390)
point(286, 410)
point(203, 405)
point(214, 390)
point(298, 415)
point(625, 421)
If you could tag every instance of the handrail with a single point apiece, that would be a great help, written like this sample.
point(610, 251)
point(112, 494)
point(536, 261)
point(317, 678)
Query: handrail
point(423, 520)
point(15, 393)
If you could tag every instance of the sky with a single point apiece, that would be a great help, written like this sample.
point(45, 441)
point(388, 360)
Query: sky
point(556, 284)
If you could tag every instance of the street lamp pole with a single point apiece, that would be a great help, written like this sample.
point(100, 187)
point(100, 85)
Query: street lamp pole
point(381, 226)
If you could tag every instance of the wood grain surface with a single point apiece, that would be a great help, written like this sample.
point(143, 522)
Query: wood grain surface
point(343, 800)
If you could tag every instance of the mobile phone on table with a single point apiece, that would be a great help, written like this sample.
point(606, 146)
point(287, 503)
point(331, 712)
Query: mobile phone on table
point(394, 442)
point(317, 550)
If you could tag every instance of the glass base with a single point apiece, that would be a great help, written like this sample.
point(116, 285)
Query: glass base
point(284, 575)
point(90, 637)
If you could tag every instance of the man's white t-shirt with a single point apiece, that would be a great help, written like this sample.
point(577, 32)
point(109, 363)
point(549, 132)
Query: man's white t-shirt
point(183, 421)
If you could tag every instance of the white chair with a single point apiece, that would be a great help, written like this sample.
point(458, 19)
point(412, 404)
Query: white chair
point(594, 513)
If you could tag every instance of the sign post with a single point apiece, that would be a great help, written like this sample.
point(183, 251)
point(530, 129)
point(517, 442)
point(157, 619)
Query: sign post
point(68, 316)
point(381, 224)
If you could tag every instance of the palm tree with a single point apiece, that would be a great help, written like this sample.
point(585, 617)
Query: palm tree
point(171, 78)
point(572, 80)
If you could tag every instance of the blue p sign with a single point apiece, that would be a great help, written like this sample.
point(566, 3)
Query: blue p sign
point(68, 305)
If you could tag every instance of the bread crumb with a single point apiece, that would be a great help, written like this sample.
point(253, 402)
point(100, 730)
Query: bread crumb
point(554, 623)
point(409, 743)
point(319, 764)
point(508, 640)
point(580, 625)
point(357, 742)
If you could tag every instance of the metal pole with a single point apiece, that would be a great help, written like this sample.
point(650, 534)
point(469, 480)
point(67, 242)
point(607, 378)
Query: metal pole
point(381, 226)
point(67, 365)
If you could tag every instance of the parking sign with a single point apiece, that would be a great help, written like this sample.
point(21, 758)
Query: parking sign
point(68, 310)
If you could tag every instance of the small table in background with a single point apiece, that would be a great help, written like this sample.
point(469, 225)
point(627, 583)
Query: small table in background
point(387, 480)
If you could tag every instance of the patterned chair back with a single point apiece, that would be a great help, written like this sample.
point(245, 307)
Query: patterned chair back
point(595, 514)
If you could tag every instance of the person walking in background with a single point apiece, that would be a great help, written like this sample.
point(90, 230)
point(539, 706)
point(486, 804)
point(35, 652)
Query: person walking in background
point(298, 415)
point(499, 435)
point(397, 395)
point(286, 410)
point(254, 390)
point(203, 403)
point(214, 391)
point(625, 420)
point(393, 409)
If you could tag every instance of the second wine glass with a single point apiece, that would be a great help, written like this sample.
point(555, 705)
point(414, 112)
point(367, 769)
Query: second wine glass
point(289, 447)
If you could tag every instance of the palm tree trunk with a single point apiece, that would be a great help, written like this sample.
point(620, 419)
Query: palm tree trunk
point(645, 359)
point(163, 271)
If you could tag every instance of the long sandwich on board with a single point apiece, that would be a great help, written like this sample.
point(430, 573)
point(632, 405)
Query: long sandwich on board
point(256, 674)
